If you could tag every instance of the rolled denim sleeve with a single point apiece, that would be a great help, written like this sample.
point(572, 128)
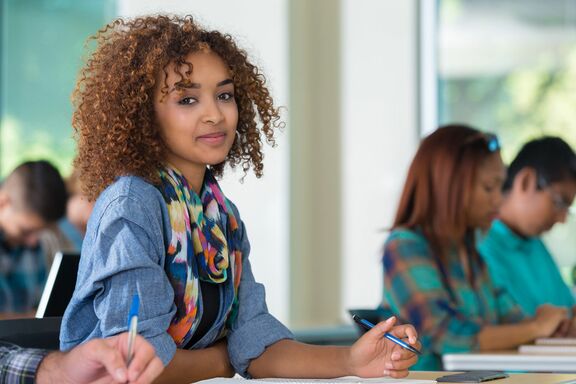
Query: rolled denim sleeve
point(133, 267)
point(255, 328)
point(122, 257)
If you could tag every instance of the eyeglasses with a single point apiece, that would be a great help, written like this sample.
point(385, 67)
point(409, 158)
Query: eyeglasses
point(558, 200)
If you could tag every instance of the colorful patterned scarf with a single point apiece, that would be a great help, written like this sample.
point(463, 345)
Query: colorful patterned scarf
point(201, 248)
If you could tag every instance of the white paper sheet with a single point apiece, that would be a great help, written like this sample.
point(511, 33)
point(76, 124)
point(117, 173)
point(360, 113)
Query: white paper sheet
point(340, 380)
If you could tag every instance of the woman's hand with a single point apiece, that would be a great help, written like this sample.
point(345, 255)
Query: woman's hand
point(374, 356)
point(567, 327)
point(548, 319)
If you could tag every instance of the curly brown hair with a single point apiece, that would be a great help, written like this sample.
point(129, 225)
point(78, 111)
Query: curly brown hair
point(114, 120)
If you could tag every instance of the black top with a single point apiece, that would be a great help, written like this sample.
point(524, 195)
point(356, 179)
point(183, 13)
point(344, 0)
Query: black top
point(211, 301)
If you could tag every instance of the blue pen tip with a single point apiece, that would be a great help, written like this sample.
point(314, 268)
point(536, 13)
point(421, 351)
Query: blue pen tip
point(134, 307)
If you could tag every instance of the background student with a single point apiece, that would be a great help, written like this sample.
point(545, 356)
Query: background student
point(32, 198)
point(539, 189)
point(98, 360)
point(433, 276)
point(68, 235)
point(78, 210)
point(163, 106)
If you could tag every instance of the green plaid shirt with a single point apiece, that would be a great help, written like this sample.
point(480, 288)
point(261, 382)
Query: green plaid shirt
point(22, 277)
point(18, 365)
point(446, 323)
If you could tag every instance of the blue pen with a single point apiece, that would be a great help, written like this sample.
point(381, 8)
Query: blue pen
point(368, 326)
point(132, 326)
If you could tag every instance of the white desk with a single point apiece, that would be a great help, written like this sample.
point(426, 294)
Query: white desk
point(509, 361)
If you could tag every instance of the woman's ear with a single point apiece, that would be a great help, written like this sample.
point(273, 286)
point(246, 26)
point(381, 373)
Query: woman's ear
point(4, 198)
point(526, 180)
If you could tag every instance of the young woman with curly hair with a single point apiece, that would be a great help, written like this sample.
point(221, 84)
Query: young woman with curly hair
point(162, 106)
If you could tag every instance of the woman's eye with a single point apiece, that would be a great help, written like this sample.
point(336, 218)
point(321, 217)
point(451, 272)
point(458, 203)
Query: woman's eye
point(488, 188)
point(187, 101)
point(227, 96)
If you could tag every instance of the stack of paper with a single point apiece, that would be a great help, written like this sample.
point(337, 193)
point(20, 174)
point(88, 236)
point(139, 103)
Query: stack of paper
point(556, 341)
point(550, 346)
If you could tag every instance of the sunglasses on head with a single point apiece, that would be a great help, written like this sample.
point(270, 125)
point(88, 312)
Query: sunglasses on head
point(491, 140)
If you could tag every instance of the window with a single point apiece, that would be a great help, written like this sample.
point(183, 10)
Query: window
point(41, 49)
point(509, 67)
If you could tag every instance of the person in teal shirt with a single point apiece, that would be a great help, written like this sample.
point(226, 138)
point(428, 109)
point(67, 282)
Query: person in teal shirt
point(538, 192)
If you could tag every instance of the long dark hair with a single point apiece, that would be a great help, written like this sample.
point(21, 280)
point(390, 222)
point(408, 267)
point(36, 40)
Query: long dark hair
point(439, 187)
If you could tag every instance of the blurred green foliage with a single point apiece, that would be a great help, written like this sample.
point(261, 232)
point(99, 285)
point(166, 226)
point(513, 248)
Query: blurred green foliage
point(519, 106)
point(42, 46)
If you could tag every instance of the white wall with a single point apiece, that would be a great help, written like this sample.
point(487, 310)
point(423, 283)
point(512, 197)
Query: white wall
point(380, 116)
point(260, 27)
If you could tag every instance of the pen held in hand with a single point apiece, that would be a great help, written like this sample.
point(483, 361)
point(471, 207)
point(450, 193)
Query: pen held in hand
point(368, 326)
point(132, 327)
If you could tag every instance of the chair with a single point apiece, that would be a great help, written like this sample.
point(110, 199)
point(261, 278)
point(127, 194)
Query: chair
point(32, 333)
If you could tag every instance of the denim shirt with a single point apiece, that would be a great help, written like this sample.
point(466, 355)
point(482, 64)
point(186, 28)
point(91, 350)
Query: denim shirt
point(124, 253)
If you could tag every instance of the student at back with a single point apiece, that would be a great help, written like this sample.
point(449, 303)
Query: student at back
point(32, 198)
point(433, 275)
point(78, 210)
point(68, 234)
point(539, 188)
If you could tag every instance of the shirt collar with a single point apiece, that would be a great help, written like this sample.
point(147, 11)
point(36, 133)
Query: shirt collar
point(512, 238)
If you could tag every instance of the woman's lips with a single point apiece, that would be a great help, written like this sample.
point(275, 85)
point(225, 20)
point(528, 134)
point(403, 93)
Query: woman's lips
point(215, 138)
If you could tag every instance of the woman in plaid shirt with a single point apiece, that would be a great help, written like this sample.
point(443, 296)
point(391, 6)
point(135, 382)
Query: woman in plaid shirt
point(433, 276)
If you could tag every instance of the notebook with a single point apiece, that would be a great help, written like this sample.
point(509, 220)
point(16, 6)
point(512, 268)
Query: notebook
point(547, 349)
point(556, 341)
point(550, 346)
point(59, 285)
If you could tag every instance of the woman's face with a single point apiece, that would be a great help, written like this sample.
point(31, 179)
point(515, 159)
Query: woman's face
point(486, 192)
point(197, 119)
